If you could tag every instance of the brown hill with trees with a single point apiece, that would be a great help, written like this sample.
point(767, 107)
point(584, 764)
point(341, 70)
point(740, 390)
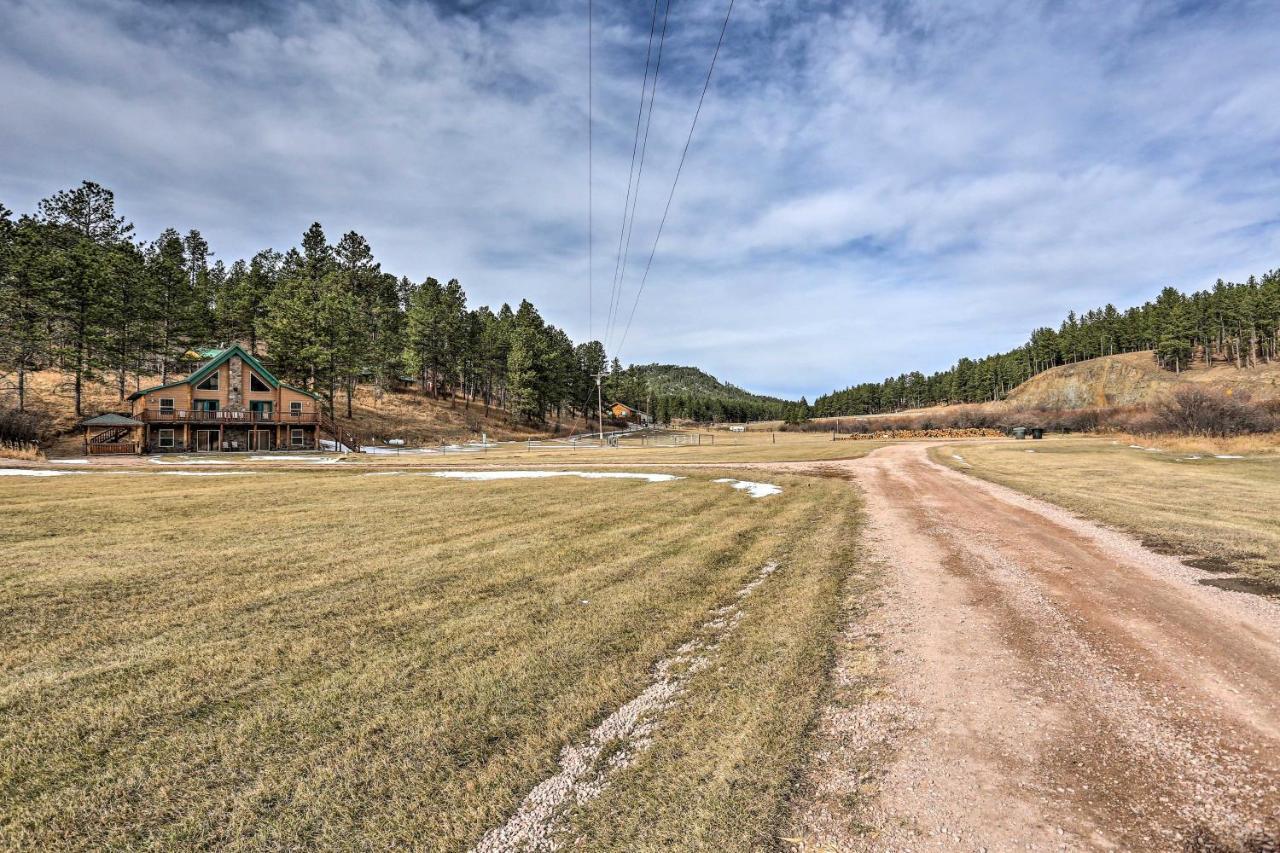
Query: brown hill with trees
point(1135, 379)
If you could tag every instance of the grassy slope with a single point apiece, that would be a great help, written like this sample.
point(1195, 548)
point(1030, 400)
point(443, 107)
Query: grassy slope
point(374, 662)
point(1222, 509)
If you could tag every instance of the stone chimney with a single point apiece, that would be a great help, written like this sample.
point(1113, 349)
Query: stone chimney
point(235, 384)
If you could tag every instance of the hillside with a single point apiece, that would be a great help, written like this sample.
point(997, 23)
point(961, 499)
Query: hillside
point(672, 380)
point(1134, 378)
point(417, 418)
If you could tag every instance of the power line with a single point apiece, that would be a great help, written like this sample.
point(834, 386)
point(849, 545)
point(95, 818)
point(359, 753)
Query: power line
point(644, 148)
point(635, 145)
point(591, 257)
point(676, 180)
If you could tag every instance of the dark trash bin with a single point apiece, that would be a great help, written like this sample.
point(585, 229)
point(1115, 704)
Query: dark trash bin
point(1037, 433)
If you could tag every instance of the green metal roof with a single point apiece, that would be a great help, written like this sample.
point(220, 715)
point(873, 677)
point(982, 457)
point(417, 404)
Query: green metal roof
point(111, 419)
point(218, 357)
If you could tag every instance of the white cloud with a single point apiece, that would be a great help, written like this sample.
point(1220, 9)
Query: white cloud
point(872, 189)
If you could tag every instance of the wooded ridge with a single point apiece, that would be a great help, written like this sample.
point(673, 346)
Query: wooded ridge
point(1235, 323)
point(78, 292)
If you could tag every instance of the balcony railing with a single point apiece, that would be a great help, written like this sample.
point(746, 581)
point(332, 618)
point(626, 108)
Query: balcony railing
point(225, 416)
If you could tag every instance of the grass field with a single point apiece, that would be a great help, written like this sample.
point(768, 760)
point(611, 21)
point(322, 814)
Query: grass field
point(727, 448)
point(324, 659)
point(1222, 511)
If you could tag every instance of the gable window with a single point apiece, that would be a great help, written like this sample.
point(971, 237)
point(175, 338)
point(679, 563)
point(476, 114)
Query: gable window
point(256, 384)
point(166, 438)
point(210, 383)
point(206, 405)
point(166, 405)
point(295, 437)
point(295, 408)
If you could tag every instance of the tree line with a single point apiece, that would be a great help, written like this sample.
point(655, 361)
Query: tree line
point(671, 392)
point(79, 292)
point(1234, 323)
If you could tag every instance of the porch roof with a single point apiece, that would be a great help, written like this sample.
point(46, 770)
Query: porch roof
point(111, 419)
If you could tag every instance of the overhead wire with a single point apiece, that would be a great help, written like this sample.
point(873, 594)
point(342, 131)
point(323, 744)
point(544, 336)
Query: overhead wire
point(635, 146)
point(676, 180)
point(644, 147)
point(591, 255)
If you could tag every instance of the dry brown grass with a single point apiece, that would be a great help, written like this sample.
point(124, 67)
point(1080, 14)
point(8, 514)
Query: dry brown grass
point(323, 659)
point(1241, 445)
point(727, 450)
point(423, 420)
point(1222, 511)
point(27, 453)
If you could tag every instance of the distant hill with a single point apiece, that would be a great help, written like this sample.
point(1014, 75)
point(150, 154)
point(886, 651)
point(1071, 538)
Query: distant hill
point(673, 391)
point(674, 380)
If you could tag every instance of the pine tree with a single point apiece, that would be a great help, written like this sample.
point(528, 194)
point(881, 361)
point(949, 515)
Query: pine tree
point(83, 231)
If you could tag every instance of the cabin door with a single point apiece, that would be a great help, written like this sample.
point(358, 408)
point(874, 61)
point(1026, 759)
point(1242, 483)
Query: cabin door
point(206, 439)
point(260, 439)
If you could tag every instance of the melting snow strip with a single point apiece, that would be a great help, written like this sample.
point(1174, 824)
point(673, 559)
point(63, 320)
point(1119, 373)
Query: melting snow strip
point(35, 472)
point(155, 461)
point(624, 733)
point(533, 475)
point(69, 461)
point(319, 460)
point(1226, 456)
point(755, 490)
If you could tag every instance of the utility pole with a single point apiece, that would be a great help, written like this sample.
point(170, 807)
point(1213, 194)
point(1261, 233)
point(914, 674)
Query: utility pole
point(600, 408)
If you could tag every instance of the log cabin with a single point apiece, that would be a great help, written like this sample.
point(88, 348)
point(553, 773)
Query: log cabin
point(230, 402)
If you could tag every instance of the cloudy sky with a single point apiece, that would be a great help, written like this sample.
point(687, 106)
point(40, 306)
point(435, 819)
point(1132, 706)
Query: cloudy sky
point(872, 187)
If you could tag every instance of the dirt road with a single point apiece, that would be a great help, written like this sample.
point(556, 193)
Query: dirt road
point(1038, 682)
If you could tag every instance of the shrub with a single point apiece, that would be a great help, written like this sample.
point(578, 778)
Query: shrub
point(20, 427)
point(1195, 410)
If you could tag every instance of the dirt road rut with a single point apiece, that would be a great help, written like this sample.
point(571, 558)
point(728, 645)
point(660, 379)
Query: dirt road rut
point(1041, 683)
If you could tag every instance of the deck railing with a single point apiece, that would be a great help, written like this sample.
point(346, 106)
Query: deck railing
point(226, 416)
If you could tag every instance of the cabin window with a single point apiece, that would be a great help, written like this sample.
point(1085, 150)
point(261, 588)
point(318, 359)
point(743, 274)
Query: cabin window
point(260, 407)
point(206, 405)
point(166, 405)
point(295, 408)
point(295, 437)
point(256, 384)
point(166, 438)
point(210, 383)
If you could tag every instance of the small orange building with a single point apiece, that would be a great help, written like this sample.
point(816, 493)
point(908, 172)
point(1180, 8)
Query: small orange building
point(231, 402)
point(623, 412)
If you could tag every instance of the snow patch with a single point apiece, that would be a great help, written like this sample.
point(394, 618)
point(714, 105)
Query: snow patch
point(34, 472)
point(1226, 456)
point(69, 461)
point(538, 475)
point(319, 460)
point(155, 461)
point(755, 490)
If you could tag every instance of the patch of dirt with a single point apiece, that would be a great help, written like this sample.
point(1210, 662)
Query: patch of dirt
point(1244, 584)
point(1212, 564)
point(1041, 683)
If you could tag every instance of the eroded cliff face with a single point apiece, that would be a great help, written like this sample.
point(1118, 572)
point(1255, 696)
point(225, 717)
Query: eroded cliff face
point(1134, 378)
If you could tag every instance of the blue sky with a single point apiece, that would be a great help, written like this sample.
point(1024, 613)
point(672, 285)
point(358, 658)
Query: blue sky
point(873, 187)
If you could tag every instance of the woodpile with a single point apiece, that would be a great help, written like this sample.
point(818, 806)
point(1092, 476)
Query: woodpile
point(922, 433)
